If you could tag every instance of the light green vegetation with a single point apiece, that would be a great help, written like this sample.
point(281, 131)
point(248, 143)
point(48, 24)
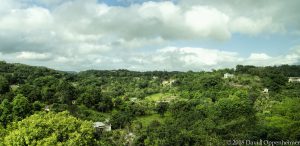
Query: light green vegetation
point(146, 120)
point(158, 97)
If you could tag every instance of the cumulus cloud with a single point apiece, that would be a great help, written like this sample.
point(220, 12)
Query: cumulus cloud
point(253, 27)
point(26, 20)
point(294, 56)
point(176, 58)
point(198, 56)
point(259, 56)
point(262, 59)
point(91, 34)
point(33, 56)
point(208, 21)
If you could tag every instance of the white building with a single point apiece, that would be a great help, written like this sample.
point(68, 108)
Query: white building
point(133, 99)
point(168, 82)
point(294, 79)
point(266, 90)
point(47, 108)
point(102, 126)
point(228, 75)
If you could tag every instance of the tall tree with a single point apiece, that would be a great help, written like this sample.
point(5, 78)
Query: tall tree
point(65, 92)
point(5, 112)
point(21, 107)
point(51, 129)
point(161, 108)
point(4, 85)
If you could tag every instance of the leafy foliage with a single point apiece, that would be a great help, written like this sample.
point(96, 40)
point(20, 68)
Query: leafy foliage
point(41, 106)
point(50, 129)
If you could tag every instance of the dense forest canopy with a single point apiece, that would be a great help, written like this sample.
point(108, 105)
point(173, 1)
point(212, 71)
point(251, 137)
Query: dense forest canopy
point(41, 106)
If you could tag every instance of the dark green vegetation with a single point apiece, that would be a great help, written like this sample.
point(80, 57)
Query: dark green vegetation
point(147, 108)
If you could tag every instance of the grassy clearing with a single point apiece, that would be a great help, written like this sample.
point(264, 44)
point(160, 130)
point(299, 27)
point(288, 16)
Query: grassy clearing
point(146, 120)
point(89, 114)
point(158, 96)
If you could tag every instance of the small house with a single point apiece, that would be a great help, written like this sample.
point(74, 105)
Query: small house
point(47, 108)
point(228, 75)
point(102, 126)
point(168, 82)
point(133, 99)
point(294, 79)
point(266, 90)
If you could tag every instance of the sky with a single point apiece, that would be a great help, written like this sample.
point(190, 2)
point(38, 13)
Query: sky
point(142, 35)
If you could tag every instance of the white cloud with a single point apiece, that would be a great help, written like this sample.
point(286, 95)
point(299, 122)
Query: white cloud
point(259, 56)
point(87, 34)
point(75, 27)
point(33, 56)
point(208, 22)
point(253, 27)
point(198, 56)
point(26, 20)
point(70, 22)
point(294, 56)
point(262, 59)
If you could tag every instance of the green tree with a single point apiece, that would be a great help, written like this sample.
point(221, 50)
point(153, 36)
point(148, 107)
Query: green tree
point(5, 112)
point(4, 85)
point(118, 102)
point(284, 121)
point(21, 107)
point(105, 104)
point(33, 93)
point(37, 106)
point(65, 92)
point(48, 94)
point(235, 117)
point(90, 96)
point(161, 108)
point(274, 80)
point(120, 119)
point(50, 129)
